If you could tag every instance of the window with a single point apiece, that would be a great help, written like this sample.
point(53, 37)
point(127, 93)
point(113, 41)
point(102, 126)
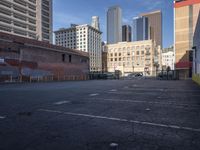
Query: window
point(63, 57)
point(70, 58)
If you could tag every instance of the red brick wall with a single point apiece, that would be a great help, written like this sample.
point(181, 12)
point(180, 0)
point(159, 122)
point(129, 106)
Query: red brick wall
point(26, 53)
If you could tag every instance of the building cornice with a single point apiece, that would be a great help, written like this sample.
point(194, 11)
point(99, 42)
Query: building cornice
point(183, 3)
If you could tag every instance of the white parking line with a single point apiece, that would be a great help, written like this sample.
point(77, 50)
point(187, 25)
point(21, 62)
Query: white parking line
point(95, 94)
point(182, 106)
point(2, 117)
point(61, 102)
point(113, 90)
point(129, 92)
point(122, 120)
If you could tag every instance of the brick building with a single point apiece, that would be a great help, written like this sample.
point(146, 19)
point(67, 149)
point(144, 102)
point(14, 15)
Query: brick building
point(23, 57)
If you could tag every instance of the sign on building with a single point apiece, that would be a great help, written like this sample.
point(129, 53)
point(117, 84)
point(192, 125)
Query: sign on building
point(1, 61)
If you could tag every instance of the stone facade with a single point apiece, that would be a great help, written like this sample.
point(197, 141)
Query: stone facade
point(134, 57)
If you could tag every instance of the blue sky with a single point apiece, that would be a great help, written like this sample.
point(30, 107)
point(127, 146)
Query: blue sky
point(66, 12)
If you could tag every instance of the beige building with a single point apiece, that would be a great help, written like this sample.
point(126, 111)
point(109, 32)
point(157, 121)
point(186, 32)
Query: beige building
point(185, 20)
point(134, 57)
point(155, 24)
point(27, 18)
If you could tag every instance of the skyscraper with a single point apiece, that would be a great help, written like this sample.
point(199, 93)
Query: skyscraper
point(155, 25)
point(126, 33)
point(95, 22)
point(185, 20)
point(140, 29)
point(31, 19)
point(114, 25)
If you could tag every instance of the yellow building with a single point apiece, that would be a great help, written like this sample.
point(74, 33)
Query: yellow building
point(185, 19)
point(134, 57)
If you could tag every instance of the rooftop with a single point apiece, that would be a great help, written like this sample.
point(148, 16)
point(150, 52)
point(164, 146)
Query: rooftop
point(41, 44)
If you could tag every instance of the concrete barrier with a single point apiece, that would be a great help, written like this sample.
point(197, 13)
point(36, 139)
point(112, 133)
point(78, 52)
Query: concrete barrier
point(196, 78)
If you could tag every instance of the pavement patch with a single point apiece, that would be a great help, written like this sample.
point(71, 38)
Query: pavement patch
point(61, 102)
point(27, 114)
point(126, 87)
point(123, 120)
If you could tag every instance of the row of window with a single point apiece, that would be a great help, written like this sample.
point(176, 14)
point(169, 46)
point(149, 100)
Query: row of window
point(18, 2)
point(126, 64)
point(125, 54)
point(130, 48)
point(127, 59)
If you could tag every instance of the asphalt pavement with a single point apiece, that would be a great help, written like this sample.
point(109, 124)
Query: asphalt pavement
point(139, 114)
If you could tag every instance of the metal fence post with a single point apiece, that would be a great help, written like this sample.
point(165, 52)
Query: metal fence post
point(11, 79)
point(20, 78)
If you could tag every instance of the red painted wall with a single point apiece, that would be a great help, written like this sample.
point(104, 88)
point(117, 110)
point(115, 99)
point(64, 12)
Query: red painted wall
point(186, 3)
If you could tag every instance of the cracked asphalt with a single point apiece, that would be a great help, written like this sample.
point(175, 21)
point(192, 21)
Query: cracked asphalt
point(135, 114)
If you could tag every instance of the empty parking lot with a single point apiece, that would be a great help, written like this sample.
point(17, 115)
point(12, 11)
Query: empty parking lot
point(87, 115)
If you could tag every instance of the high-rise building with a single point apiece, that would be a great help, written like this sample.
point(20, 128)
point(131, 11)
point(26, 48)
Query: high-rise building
point(126, 33)
point(95, 22)
point(185, 20)
point(155, 25)
point(27, 18)
point(114, 25)
point(84, 38)
point(140, 29)
point(44, 19)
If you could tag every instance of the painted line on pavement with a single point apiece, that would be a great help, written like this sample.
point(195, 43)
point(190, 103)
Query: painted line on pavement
point(122, 120)
point(61, 102)
point(95, 94)
point(182, 106)
point(128, 92)
point(2, 117)
point(113, 90)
